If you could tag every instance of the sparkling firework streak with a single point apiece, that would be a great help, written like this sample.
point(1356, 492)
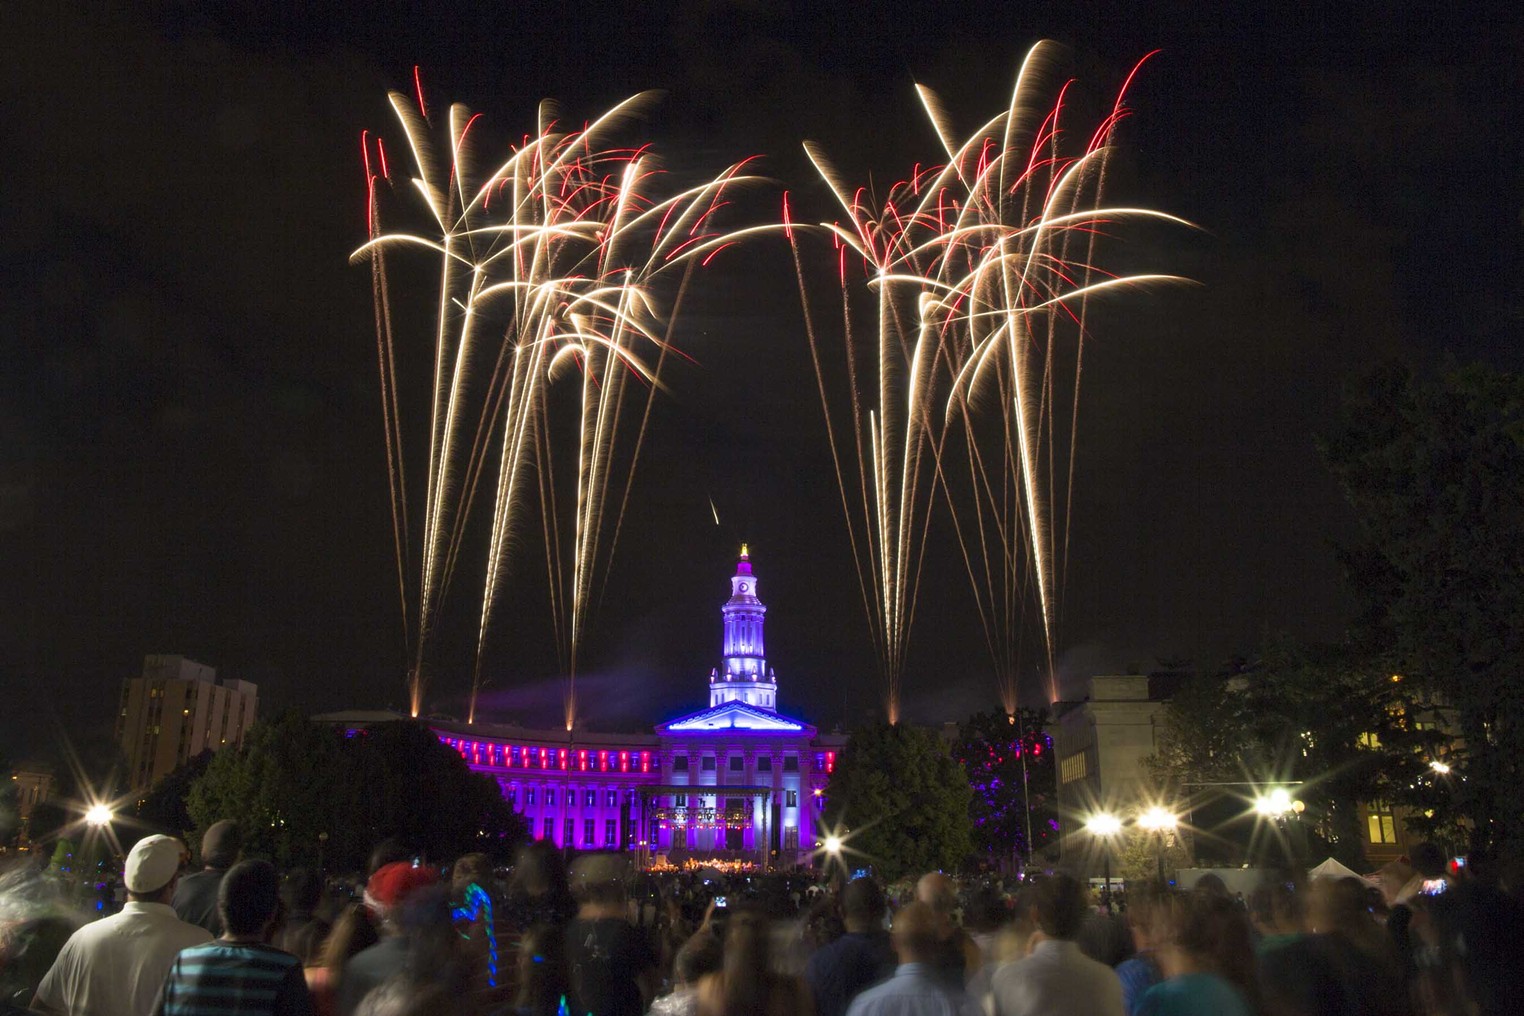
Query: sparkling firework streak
point(553, 265)
point(974, 272)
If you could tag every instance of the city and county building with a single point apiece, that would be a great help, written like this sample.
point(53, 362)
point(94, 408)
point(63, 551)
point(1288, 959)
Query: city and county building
point(176, 710)
point(738, 780)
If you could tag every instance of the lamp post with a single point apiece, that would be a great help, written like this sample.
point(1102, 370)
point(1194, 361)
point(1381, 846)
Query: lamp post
point(322, 843)
point(1279, 807)
point(1163, 822)
point(1103, 826)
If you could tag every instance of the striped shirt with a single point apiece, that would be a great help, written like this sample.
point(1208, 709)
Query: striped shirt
point(234, 979)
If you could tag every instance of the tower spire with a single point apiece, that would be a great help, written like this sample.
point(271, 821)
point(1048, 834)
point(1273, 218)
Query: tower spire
point(744, 675)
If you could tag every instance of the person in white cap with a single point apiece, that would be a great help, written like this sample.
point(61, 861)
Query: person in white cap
point(115, 966)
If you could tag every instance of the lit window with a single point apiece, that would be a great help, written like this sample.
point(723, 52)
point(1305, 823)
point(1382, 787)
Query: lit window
point(592, 798)
point(1381, 823)
point(610, 833)
point(1372, 741)
point(1073, 768)
point(529, 795)
point(550, 796)
point(613, 798)
point(791, 799)
point(589, 830)
point(548, 829)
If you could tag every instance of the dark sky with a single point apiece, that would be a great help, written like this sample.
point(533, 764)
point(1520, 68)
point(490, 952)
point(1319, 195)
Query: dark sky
point(190, 442)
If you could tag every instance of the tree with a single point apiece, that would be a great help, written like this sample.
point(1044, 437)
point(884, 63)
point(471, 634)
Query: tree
point(293, 781)
point(281, 787)
point(1333, 722)
point(1323, 719)
point(1009, 764)
point(166, 808)
point(1205, 727)
point(900, 801)
point(412, 786)
point(1435, 473)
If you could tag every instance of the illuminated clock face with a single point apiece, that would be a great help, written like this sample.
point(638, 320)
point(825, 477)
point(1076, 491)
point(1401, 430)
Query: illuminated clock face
point(743, 587)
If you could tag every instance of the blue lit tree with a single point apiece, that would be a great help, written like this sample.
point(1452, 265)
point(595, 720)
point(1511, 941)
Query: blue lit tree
point(1009, 761)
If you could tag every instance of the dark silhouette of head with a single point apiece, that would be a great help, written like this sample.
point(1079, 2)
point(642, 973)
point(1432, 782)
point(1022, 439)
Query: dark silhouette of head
point(1061, 904)
point(863, 905)
point(249, 897)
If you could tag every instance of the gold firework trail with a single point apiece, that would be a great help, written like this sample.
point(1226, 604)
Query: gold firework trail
point(967, 275)
point(553, 265)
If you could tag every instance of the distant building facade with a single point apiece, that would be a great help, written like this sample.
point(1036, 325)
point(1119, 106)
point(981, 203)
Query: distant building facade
point(175, 710)
point(1101, 742)
point(737, 781)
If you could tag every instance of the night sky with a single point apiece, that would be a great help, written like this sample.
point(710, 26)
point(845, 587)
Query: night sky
point(191, 455)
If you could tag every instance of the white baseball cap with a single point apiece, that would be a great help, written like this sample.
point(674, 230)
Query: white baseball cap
point(152, 864)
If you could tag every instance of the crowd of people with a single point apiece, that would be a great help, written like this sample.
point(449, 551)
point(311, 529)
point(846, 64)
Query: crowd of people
point(236, 936)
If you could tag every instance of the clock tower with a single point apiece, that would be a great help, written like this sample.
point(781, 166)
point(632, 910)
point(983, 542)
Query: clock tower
point(744, 677)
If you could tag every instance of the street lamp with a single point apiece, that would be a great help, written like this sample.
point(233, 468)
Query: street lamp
point(1104, 825)
point(1279, 806)
point(1442, 768)
point(98, 815)
point(1164, 822)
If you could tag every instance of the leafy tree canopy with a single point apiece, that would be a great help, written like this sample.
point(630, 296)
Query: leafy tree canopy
point(1009, 764)
point(1435, 473)
point(1325, 719)
point(902, 801)
point(293, 781)
point(165, 808)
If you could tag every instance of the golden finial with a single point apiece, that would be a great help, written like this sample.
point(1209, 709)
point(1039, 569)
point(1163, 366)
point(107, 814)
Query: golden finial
point(743, 552)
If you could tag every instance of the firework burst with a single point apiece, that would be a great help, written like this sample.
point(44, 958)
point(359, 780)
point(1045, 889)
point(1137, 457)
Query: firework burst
point(959, 291)
point(561, 266)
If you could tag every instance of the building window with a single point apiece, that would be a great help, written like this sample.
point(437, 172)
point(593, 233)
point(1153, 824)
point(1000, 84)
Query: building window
point(680, 801)
point(1370, 740)
point(737, 763)
point(610, 833)
point(680, 763)
point(529, 794)
point(589, 830)
point(1382, 822)
point(707, 764)
point(613, 798)
point(571, 833)
point(790, 837)
point(679, 837)
point(550, 797)
point(549, 827)
point(1073, 768)
point(592, 798)
point(513, 797)
point(791, 763)
point(764, 763)
point(791, 799)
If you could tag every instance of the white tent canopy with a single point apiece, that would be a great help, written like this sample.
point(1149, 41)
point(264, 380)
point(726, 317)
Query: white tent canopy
point(1333, 869)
